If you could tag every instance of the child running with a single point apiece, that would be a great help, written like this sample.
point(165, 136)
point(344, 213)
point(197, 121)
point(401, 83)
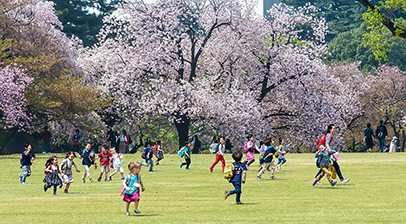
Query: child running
point(324, 157)
point(52, 174)
point(219, 155)
point(26, 160)
point(249, 149)
point(148, 155)
point(240, 174)
point(187, 156)
point(282, 149)
point(268, 159)
point(87, 156)
point(117, 160)
point(158, 151)
point(132, 187)
point(66, 168)
point(104, 157)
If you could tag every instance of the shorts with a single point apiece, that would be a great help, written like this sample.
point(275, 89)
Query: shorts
point(104, 168)
point(133, 197)
point(67, 178)
point(118, 168)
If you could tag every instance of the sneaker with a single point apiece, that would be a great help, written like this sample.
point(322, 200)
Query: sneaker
point(226, 194)
point(122, 178)
point(54, 193)
point(187, 168)
point(318, 183)
point(106, 179)
point(211, 170)
point(91, 180)
point(258, 178)
point(181, 164)
point(127, 214)
point(99, 179)
point(276, 169)
point(272, 177)
point(66, 191)
point(239, 203)
point(109, 178)
point(83, 180)
point(314, 182)
point(137, 212)
point(152, 171)
point(21, 177)
point(156, 164)
point(344, 181)
point(333, 183)
point(24, 182)
point(44, 153)
point(45, 188)
point(60, 186)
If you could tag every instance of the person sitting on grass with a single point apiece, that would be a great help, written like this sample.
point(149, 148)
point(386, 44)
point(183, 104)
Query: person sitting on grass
point(324, 156)
point(240, 175)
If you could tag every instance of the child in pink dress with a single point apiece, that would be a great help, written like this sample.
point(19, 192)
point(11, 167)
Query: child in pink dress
point(249, 149)
point(132, 184)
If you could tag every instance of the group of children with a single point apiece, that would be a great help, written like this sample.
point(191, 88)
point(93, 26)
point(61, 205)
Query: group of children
point(53, 169)
point(132, 184)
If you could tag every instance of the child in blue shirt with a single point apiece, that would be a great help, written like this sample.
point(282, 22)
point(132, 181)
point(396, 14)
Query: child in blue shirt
point(240, 174)
point(27, 158)
point(324, 156)
point(87, 156)
point(149, 153)
point(268, 159)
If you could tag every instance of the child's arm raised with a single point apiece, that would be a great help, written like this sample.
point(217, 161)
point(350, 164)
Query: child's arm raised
point(244, 176)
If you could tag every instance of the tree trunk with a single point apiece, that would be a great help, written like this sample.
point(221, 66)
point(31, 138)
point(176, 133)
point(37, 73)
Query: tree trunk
point(403, 141)
point(182, 123)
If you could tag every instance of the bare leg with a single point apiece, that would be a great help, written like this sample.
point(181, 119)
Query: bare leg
point(67, 186)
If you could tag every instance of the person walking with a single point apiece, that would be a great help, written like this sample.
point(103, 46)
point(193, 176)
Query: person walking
point(122, 141)
point(368, 137)
point(328, 138)
point(381, 133)
point(76, 140)
point(197, 145)
point(46, 138)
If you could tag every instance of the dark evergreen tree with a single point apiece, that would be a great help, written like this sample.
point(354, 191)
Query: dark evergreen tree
point(84, 18)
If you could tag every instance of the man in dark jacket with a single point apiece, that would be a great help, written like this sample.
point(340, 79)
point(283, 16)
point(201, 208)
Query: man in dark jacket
point(381, 134)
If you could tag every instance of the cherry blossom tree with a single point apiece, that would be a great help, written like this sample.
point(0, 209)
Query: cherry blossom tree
point(13, 83)
point(217, 65)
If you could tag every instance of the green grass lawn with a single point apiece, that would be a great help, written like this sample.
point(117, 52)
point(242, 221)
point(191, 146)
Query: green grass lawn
point(375, 194)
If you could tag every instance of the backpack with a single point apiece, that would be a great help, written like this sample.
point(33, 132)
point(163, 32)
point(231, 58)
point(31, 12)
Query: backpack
point(144, 153)
point(130, 141)
point(181, 151)
point(380, 133)
point(213, 150)
point(321, 141)
point(216, 149)
point(229, 171)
